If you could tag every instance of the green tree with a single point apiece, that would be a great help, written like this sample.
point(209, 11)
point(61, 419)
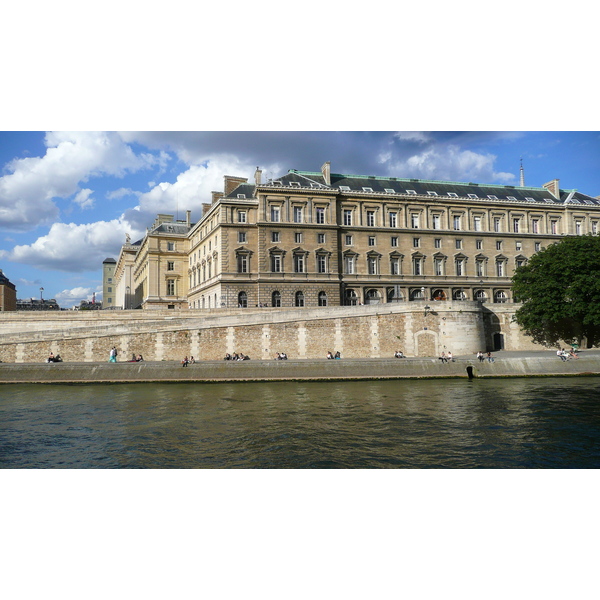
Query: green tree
point(560, 291)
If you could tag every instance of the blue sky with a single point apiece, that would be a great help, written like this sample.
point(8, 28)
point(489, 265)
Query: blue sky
point(67, 199)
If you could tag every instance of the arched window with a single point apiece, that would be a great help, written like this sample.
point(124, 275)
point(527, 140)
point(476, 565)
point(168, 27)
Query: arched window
point(500, 297)
point(459, 295)
point(276, 299)
point(394, 294)
point(322, 299)
point(372, 297)
point(299, 299)
point(243, 300)
point(350, 298)
point(480, 296)
point(417, 294)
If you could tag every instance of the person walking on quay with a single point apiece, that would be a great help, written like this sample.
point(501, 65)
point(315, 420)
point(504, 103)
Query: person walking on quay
point(184, 362)
point(450, 357)
point(113, 355)
point(490, 357)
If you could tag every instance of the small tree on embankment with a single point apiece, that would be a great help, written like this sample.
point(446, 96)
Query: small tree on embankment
point(560, 291)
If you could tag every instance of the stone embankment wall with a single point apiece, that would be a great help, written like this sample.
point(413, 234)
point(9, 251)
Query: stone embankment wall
point(299, 370)
point(357, 332)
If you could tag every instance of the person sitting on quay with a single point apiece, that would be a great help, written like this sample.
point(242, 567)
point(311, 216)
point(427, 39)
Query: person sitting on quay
point(443, 357)
point(337, 356)
point(573, 354)
point(184, 362)
point(50, 358)
point(450, 357)
point(329, 355)
point(192, 360)
point(490, 357)
point(140, 358)
point(399, 354)
point(227, 356)
point(561, 354)
point(480, 356)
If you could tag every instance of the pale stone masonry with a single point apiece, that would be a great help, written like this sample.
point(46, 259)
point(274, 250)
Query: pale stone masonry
point(310, 239)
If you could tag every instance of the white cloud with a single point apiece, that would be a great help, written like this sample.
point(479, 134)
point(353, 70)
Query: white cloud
point(450, 163)
point(75, 248)
point(420, 137)
point(83, 198)
point(28, 191)
point(121, 193)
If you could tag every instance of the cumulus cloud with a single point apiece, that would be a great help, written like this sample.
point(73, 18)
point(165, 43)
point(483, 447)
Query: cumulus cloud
point(74, 296)
point(449, 163)
point(82, 198)
point(420, 137)
point(28, 190)
point(75, 248)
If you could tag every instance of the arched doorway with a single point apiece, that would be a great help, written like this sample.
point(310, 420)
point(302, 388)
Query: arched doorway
point(299, 299)
point(242, 300)
point(350, 298)
point(439, 295)
point(276, 299)
point(322, 299)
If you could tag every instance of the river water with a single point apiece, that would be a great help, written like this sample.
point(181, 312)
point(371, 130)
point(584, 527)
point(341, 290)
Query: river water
point(500, 423)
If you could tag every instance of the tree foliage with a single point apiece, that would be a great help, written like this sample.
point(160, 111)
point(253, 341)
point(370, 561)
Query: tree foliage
point(560, 291)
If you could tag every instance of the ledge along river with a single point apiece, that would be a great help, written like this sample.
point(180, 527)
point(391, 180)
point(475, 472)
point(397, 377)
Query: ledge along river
point(484, 423)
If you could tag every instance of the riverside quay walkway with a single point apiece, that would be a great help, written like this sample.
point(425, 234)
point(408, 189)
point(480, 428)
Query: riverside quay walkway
point(505, 364)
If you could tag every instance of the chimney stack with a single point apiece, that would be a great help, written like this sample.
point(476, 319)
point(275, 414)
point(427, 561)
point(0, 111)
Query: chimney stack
point(188, 217)
point(257, 176)
point(326, 170)
point(553, 188)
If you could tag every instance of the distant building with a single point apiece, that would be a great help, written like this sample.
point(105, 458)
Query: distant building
point(87, 305)
point(8, 294)
point(108, 283)
point(35, 304)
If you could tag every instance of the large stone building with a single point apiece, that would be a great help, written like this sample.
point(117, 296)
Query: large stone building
point(315, 239)
point(8, 293)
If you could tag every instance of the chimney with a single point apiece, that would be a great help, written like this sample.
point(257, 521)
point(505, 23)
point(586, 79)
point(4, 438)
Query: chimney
point(188, 217)
point(326, 170)
point(257, 176)
point(205, 208)
point(232, 182)
point(552, 187)
point(216, 196)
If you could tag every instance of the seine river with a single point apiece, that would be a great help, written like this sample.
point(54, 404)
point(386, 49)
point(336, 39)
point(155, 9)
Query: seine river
point(502, 423)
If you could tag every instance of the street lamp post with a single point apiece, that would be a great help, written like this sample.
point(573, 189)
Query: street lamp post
point(127, 290)
point(41, 294)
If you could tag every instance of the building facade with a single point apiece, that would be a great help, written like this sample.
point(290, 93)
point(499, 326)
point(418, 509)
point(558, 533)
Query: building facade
point(8, 294)
point(316, 239)
point(109, 289)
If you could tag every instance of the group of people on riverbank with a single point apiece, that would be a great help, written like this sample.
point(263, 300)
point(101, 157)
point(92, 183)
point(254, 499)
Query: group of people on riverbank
point(481, 357)
point(332, 356)
point(236, 356)
point(565, 355)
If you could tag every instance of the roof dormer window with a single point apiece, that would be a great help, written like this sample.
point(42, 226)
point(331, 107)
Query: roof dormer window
point(453, 194)
point(344, 188)
point(472, 195)
point(367, 189)
point(412, 192)
point(491, 197)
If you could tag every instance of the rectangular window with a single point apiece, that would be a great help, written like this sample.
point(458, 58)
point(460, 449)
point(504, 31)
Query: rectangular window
point(460, 265)
point(497, 224)
point(518, 246)
point(395, 266)
point(320, 215)
point(241, 237)
point(242, 263)
point(298, 263)
point(537, 246)
point(370, 218)
point(436, 221)
point(535, 226)
point(372, 265)
point(438, 265)
point(297, 214)
point(298, 238)
point(170, 265)
point(577, 227)
point(320, 238)
point(458, 244)
point(594, 227)
point(416, 242)
point(109, 290)
point(500, 268)
point(414, 221)
point(417, 266)
point(516, 223)
point(437, 243)
point(275, 214)
point(170, 287)
point(371, 240)
point(478, 244)
point(276, 263)
point(479, 270)
point(241, 216)
point(554, 227)
point(456, 223)
point(498, 245)
point(393, 219)
point(477, 223)
point(394, 241)
point(348, 240)
point(349, 263)
point(347, 217)
point(170, 246)
point(275, 236)
point(321, 263)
